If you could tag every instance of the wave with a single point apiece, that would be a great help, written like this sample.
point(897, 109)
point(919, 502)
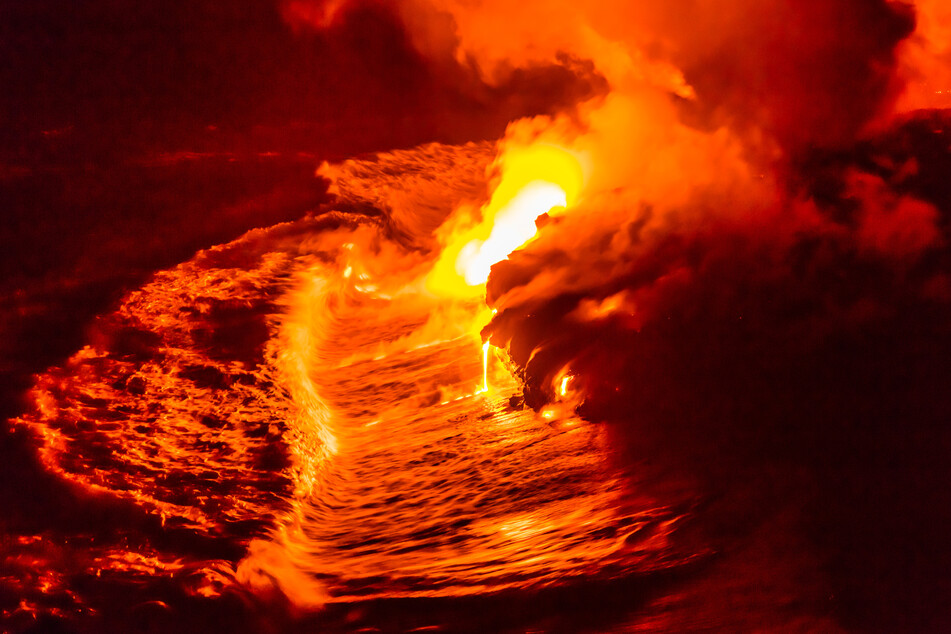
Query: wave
point(304, 424)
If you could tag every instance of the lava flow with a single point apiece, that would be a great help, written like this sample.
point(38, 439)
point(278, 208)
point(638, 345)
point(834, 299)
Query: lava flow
point(370, 446)
point(656, 339)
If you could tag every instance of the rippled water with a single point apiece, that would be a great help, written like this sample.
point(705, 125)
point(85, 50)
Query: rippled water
point(434, 490)
point(288, 416)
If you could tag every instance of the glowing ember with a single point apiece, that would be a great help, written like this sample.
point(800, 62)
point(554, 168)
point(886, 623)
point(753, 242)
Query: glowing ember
point(705, 241)
point(485, 368)
point(563, 390)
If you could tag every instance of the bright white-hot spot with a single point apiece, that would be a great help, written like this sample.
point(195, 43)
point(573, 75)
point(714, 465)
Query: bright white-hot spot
point(485, 368)
point(514, 226)
point(533, 180)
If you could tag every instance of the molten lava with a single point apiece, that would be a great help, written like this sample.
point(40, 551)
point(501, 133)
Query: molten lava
point(535, 180)
point(485, 368)
point(690, 284)
point(514, 225)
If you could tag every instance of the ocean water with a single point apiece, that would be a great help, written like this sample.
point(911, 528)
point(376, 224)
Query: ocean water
point(287, 432)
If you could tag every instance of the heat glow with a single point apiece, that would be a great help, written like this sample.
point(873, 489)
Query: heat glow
point(535, 180)
point(658, 319)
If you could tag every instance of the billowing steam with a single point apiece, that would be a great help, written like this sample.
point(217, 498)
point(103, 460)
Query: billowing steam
point(728, 177)
point(741, 186)
point(728, 237)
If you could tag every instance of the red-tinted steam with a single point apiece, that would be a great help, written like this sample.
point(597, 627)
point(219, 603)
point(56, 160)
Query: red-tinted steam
point(749, 192)
point(753, 268)
point(758, 264)
point(729, 185)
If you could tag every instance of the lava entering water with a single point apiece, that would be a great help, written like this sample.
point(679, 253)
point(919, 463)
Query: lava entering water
point(680, 334)
point(366, 445)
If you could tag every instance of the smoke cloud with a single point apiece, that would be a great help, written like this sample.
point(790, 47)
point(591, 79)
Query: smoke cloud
point(750, 192)
point(731, 166)
point(758, 262)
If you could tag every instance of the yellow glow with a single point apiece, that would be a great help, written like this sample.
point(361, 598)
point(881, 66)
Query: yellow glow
point(564, 385)
point(536, 180)
point(514, 226)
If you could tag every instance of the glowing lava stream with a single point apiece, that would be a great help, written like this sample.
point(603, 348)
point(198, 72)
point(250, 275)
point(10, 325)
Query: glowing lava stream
point(485, 368)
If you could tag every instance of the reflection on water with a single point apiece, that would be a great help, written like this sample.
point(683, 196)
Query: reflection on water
point(285, 412)
point(288, 432)
point(434, 489)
